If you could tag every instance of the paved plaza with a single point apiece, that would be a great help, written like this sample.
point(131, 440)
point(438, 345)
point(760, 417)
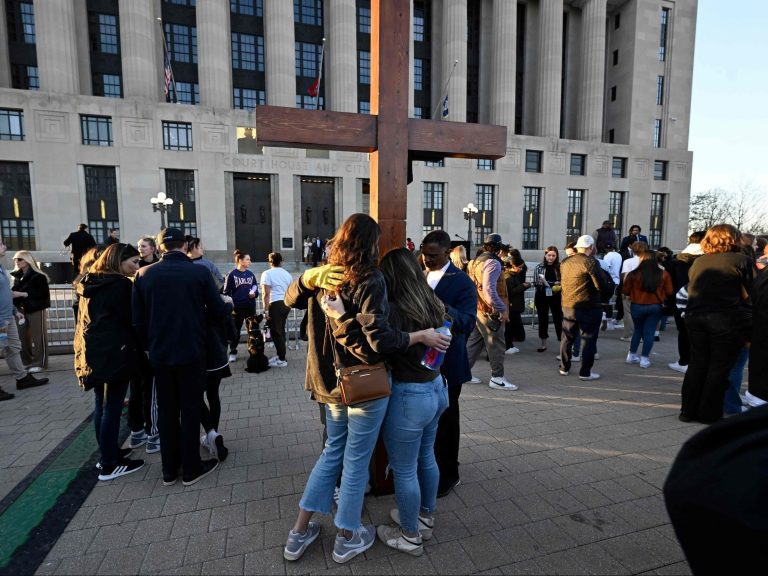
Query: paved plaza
point(560, 477)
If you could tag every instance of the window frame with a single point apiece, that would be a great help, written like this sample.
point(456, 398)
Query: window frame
point(532, 196)
point(580, 167)
point(433, 206)
point(169, 128)
point(6, 115)
point(619, 167)
point(660, 170)
point(534, 160)
point(91, 124)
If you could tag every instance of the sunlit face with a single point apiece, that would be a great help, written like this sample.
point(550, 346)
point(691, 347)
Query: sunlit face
point(130, 266)
point(145, 249)
point(434, 256)
point(245, 261)
point(550, 257)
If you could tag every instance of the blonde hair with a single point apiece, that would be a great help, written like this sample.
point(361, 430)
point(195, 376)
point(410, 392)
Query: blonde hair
point(459, 257)
point(29, 259)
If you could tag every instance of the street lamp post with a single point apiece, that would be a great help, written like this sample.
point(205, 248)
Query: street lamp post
point(470, 211)
point(161, 203)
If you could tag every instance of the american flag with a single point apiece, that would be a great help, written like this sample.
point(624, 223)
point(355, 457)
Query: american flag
point(168, 74)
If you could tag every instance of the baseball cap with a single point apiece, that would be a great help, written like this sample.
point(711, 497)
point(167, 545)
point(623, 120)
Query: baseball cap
point(492, 239)
point(172, 235)
point(585, 241)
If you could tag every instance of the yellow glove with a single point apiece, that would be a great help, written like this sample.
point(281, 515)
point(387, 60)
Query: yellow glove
point(326, 277)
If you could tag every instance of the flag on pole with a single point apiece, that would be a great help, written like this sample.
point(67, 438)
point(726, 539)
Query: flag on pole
point(314, 89)
point(168, 75)
point(445, 106)
point(169, 80)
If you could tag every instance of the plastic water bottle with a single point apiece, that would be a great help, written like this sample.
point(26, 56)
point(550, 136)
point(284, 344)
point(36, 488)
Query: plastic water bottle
point(433, 357)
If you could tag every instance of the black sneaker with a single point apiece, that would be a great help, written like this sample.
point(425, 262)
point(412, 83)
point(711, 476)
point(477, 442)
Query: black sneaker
point(6, 395)
point(221, 451)
point(122, 468)
point(444, 488)
point(206, 467)
point(122, 454)
point(30, 381)
point(170, 479)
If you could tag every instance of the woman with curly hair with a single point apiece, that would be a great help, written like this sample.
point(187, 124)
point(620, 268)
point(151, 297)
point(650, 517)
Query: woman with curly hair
point(361, 335)
point(719, 321)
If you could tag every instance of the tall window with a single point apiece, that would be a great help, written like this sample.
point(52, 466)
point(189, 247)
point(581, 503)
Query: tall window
point(310, 102)
point(188, 92)
point(664, 25)
point(248, 98)
point(364, 20)
point(177, 135)
point(418, 23)
point(618, 167)
point(11, 124)
point(111, 86)
point(247, 7)
point(655, 234)
point(578, 164)
point(16, 221)
point(657, 133)
point(418, 74)
point(108, 39)
point(485, 217)
point(659, 90)
point(33, 79)
point(97, 130)
point(101, 200)
point(307, 59)
point(575, 214)
point(308, 12)
point(531, 209)
point(182, 42)
point(27, 11)
point(180, 185)
point(616, 212)
point(363, 107)
point(660, 169)
point(433, 207)
point(247, 52)
point(486, 164)
point(533, 160)
point(364, 66)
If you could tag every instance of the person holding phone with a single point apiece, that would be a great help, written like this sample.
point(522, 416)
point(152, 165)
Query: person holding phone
point(241, 285)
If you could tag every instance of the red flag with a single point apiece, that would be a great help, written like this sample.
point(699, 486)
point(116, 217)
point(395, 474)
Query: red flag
point(314, 89)
point(168, 75)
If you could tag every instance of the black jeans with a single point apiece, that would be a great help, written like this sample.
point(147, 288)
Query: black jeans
point(447, 440)
point(210, 413)
point(239, 314)
point(106, 419)
point(180, 397)
point(278, 314)
point(513, 332)
point(545, 305)
point(683, 342)
point(586, 322)
point(142, 407)
point(716, 340)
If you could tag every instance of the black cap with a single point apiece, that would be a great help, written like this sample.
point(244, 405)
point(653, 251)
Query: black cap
point(492, 239)
point(172, 235)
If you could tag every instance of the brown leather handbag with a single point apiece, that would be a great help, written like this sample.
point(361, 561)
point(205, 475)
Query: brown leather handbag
point(360, 383)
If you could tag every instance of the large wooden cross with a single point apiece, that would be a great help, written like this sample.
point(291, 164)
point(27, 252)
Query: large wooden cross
point(391, 138)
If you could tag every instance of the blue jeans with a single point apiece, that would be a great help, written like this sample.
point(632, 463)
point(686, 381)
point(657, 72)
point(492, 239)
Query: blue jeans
point(576, 344)
point(409, 434)
point(587, 322)
point(106, 419)
point(645, 317)
point(352, 435)
point(732, 403)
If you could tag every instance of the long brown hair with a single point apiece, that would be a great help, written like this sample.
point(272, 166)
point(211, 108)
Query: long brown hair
point(356, 247)
point(110, 260)
point(649, 272)
point(408, 288)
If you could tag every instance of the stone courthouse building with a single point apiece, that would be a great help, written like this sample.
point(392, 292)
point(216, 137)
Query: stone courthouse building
point(595, 94)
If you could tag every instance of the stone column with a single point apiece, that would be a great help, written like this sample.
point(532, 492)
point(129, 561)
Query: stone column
point(504, 64)
point(214, 66)
point(57, 47)
point(592, 85)
point(454, 48)
point(279, 48)
point(140, 34)
point(5, 62)
point(341, 55)
point(549, 77)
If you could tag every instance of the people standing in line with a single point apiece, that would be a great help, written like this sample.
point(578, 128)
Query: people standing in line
point(113, 237)
point(459, 257)
point(678, 271)
point(172, 302)
point(32, 297)
point(637, 249)
point(79, 243)
point(719, 320)
point(583, 284)
point(604, 236)
point(648, 287)
point(515, 272)
point(196, 253)
point(625, 248)
point(307, 249)
point(8, 317)
point(352, 430)
point(106, 349)
point(454, 288)
point(492, 311)
point(546, 278)
point(274, 282)
point(147, 250)
point(240, 285)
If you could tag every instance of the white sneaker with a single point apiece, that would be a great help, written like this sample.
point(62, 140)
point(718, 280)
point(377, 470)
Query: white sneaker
point(625, 338)
point(34, 369)
point(426, 524)
point(632, 359)
point(677, 368)
point(280, 363)
point(475, 380)
point(393, 537)
point(513, 350)
point(618, 325)
point(753, 400)
point(592, 376)
point(232, 358)
point(211, 443)
point(575, 358)
point(597, 356)
point(501, 384)
point(645, 362)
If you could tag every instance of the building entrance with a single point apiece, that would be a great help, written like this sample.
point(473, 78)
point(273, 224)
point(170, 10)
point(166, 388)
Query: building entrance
point(317, 208)
point(253, 215)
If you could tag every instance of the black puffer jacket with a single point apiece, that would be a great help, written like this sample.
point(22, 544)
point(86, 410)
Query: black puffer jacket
point(105, 342)
point(34, 284)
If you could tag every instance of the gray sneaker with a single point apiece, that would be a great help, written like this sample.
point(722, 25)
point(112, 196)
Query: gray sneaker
point(153, 443)
point(426, 524)
point(297, 543)
point(393, 537)
point(362, 539)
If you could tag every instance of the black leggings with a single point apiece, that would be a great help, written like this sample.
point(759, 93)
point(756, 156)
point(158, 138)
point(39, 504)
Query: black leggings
point(278, 314)
point(210, 414)
point(239, 314)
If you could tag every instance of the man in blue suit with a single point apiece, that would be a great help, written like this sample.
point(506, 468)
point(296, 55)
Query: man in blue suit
point(458, 294)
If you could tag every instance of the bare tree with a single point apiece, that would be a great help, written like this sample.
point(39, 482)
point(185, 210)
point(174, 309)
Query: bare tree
point(708, 208)
point(745, 208)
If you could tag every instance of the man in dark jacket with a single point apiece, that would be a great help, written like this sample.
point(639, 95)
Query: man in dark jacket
point(80, 241)
point(170, 302)
point(604, 236)
point(583, 283)
point(627, 241)
point(457, 292)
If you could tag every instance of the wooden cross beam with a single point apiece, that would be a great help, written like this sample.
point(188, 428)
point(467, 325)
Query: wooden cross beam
point(386, 133)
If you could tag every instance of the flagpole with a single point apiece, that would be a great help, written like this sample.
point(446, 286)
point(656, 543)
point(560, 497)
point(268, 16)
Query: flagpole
point(167, 55)
point(320, 73)
point(444, 93)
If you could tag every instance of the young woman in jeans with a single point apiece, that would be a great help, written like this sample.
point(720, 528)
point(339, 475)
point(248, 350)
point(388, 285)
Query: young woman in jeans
point(647, 287)
point(352, 430)
point(548, 298)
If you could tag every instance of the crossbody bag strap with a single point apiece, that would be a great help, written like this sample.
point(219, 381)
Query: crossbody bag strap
point(332, 341)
